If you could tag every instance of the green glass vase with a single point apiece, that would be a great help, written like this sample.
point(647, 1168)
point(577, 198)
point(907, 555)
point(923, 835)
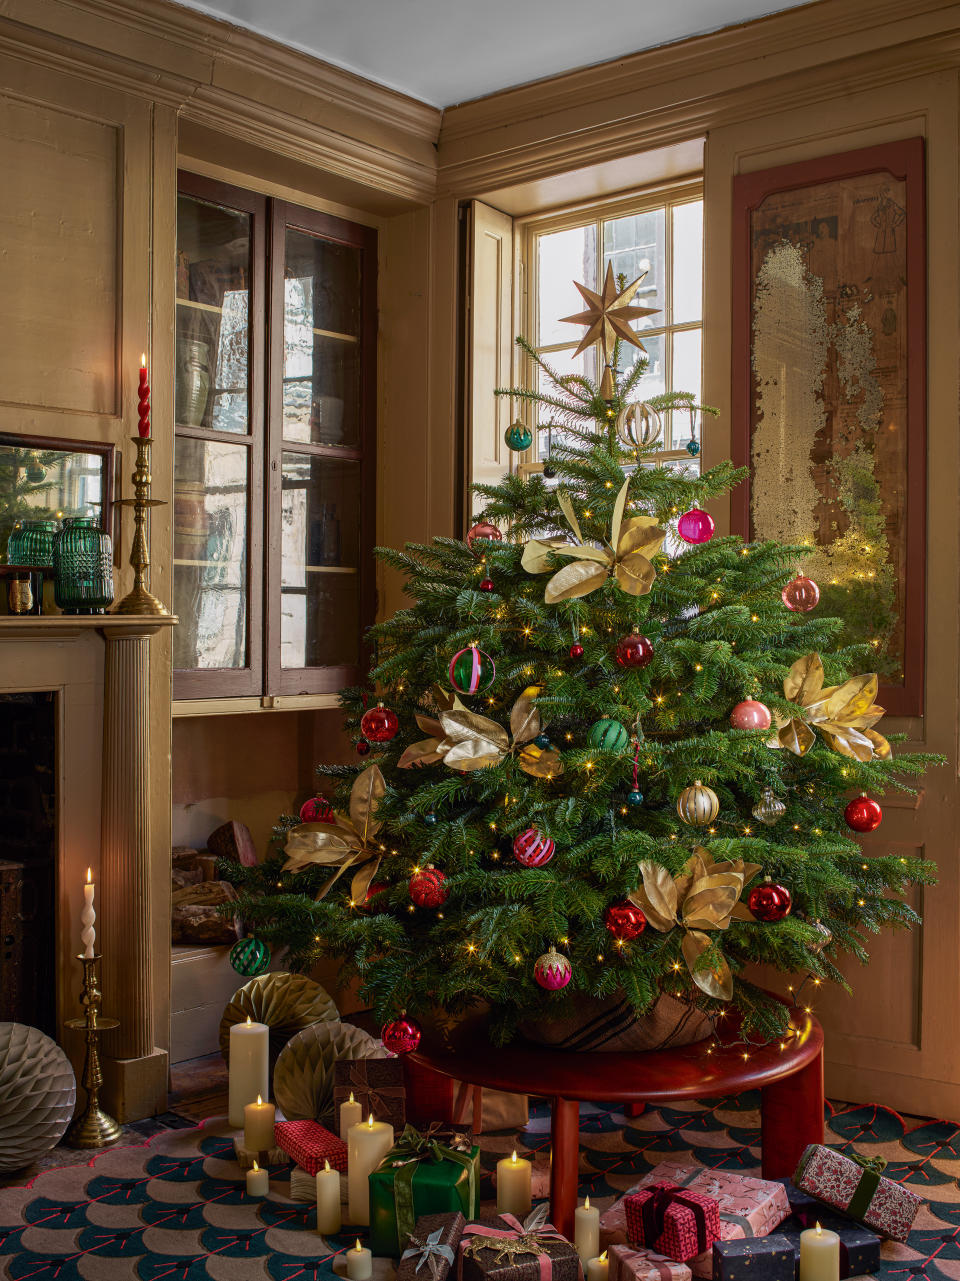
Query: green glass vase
point(31, 543)
point(83, 567)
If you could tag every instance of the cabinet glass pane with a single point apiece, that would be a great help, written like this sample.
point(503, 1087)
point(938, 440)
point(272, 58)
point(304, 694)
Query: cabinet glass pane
point(321, 341)
point(320, 556)
point(210, 554)
point(213, 316)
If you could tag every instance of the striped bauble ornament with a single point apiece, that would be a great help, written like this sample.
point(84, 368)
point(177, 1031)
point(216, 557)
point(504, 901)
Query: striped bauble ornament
point(532, 848)
point(608, 735)
point(698, 805)
point(471, 670)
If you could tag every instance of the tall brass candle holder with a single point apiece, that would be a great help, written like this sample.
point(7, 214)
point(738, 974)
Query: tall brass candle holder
point(93, 1128)
point(140, 600)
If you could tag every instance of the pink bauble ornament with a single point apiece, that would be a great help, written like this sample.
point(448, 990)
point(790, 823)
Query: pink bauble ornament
point(427, 888)
point(532, 848)
point(769, 902)
point(800, 594)
point(634, 651)
point(624, 920)
point(553, 970)
point(750, 715)
point(863, 814)
point(483, 529)
point(696, 526)
point(402, 1035)
point(380, 724)
point(317, 810)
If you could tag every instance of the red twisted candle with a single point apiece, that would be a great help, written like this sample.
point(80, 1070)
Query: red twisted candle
point(143, 399)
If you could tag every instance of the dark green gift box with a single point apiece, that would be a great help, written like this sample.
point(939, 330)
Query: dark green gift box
point(420, 1176)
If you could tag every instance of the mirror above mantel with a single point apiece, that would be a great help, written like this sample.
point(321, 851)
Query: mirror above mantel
point(43, 478)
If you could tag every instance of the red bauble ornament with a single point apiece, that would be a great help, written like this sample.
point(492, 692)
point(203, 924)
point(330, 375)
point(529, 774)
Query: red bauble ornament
point(576, 651)
point(427, 888)
point(769, 902)
point(317, 810)
point(863, 814)
point(486, 584)
point(696, 526)
point(483, 529)
point(372, 891)
point(362, 747)
point(634, 651)
point(380, 724)
point(800, 594)
point(402, 1036)
point(624, 920)
point(750, 715)
point(533, 849)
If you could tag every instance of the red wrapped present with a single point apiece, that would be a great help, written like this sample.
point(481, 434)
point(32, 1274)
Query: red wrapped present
point(627, 1264)
point(856, 1186)
point(308, 1145)
point(672, 1220)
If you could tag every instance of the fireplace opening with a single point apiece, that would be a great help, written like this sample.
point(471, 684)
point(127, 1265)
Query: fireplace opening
point(28, 858)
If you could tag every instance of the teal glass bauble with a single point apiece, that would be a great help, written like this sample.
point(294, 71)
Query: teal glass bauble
point(518, 437)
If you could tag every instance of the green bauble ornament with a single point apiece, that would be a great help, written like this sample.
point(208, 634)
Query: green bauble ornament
point(250, 956)
point(518, 436)
point(608, 735)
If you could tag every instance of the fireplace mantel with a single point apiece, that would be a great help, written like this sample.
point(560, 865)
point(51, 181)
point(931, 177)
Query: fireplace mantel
point(69, 626)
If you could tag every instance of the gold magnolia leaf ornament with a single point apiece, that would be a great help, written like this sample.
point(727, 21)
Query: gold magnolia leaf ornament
point(626, 558)
point(465, 740)
point(844, 714)
point(345, 843)
point(705, 896)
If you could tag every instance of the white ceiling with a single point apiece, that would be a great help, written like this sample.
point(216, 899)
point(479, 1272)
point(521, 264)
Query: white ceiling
point(447, 51)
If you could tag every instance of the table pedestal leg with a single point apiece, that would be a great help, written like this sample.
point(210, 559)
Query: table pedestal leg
point(566, 1162)
point(791, 1113)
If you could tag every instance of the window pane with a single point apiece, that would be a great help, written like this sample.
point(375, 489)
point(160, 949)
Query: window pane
point(213, 323)
point(686, 377)
point(209, 554)
point(564, 257)
point(654, 381)
point(320, 555)
point(635, 247)
point(564, 363)
point(321, 341)
point(688, 262)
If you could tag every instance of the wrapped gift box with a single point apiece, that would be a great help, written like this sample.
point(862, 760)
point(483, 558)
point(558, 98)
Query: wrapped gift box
point(430, 1250)
point(800, 1202)
point(628, 1264)
point(859, 1247)
point(309, 1144)
point(376, 1084)
point(482, 1258)
point(674, 1221)
point(432, 1096)
point(860, 1193)
point(769, 1258)
point(417, 1177)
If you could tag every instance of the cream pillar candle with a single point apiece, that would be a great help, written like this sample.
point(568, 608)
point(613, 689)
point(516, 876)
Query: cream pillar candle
point(359, 1263)
point(258, 1119)
point(328, 1200)
point(586, 1231)
point(819, 1255)
point(88, 935)
point(598, 1268)
point(258, 1181)
point(513, 1186)
point(249, 1067)
point(367, 1145)
point(351, 1113)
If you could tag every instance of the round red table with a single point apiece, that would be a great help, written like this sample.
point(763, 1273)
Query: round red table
point(790, 1081)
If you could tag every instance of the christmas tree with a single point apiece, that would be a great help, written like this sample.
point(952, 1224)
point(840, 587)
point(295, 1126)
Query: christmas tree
point(613, 754)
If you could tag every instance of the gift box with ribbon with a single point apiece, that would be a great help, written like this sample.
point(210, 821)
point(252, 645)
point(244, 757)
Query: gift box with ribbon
point(855, 1185)
point(430, 1250)
point(769, 1258)
point(419, 1176)
point(376, 1084)
point(308, 1144)
point(859, 1247)
point(504, 1249)
point(628, 1264)
point(674, 1221)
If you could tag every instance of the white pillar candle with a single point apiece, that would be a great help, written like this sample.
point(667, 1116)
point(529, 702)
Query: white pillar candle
point(367, 1145)
point(513, 1186)
point(819, 1255)
point(249, 1067)
point(359, 1263)
point(598, 1268)
point(258, 1181)
point(586, 1231)
point(328, 1200)
point(258, 1119)
point(88, 935)
point(351, 1113)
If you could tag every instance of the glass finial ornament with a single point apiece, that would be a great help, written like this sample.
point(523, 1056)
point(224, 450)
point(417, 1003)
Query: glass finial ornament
point(634, 651)
point(427, 887)
point(769, 902)
point(471, 670)
point(379, 724)
point(483, 529)
point(863, 814)
point(35, 470)
point(532, 848)
point(402, 1035)
point(750, 715)
point(769, 809)
point(552, 970)
point(801, 594)
point(608, 735)
point(698, 805)
point(250, 956)
point(692, 447)
point(624, 921)
point(823, 939)
point(518, 436)
point(696, 526)
point(317, 810)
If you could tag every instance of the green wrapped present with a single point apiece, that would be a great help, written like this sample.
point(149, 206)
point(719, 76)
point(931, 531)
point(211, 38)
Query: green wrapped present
point(420, 1175)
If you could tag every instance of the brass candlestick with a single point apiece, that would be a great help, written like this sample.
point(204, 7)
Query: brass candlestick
point(93, 1128)
point(140, 601)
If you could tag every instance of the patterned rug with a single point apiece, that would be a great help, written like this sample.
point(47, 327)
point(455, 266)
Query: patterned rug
point(175, 1208)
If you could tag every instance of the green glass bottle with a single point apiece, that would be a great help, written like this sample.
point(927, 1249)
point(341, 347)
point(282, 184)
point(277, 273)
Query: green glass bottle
point(83, 567)
point(31, 543)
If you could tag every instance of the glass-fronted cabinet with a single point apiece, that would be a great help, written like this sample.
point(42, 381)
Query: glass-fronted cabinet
point(273, 481)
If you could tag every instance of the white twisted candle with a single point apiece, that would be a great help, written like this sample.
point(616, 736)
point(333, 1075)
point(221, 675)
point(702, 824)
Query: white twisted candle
point(88, 934)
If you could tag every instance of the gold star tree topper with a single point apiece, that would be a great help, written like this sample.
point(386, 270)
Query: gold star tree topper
point(608, 317)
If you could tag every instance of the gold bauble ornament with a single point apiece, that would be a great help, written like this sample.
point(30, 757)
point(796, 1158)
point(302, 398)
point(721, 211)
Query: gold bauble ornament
point(698, 805)
point(769, 809)
point(639, 425)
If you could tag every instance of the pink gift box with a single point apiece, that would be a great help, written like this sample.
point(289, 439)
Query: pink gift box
point(675, 1221)
point(628, 1264)
point(309, 1144)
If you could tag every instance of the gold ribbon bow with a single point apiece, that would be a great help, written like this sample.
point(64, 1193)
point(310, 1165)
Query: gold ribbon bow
point(844, 714)
point(626, 558)
point(464, 740)
point(705, 896)
point(347, 842)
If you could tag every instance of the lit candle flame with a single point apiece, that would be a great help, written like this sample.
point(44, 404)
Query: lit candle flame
point(248, 1020)
point(352, 1099)
point(89, 875)
point(819, 1230)
point(326, 1164)
point(514, 1157)
point(370, 1121)
point(586, 1203)
point(603, 1257)
point(143, 360)
point(259, 1101)
point(358, 1247)
point(255, 1166)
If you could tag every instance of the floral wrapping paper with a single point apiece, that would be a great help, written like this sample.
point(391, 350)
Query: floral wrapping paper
point(861, 1193)
point(628, 1264)
point(308, 1144)
point(686, 1225)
